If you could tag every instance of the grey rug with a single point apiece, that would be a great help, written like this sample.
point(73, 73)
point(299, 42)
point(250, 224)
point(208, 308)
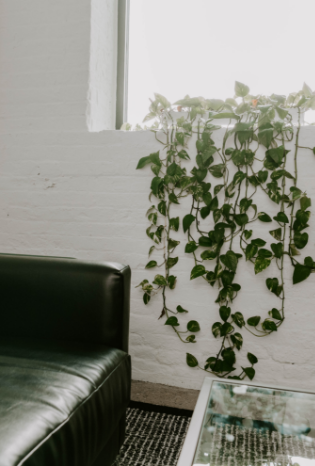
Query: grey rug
point(153, 438)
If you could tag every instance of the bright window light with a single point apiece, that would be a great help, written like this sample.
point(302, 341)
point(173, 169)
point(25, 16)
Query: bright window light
point(201, 47)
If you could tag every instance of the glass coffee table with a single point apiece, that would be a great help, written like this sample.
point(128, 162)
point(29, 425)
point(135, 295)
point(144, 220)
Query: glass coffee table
point(246, 424)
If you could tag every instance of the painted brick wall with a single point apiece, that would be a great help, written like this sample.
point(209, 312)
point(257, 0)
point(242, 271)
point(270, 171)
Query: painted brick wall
point(68, 192)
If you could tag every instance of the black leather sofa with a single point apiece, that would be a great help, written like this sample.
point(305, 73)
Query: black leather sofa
point(65, 372)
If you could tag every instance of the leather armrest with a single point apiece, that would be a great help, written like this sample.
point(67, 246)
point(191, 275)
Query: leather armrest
point(53, 298)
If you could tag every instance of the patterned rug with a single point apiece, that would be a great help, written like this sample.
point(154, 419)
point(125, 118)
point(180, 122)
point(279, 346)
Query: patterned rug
point(153, 438)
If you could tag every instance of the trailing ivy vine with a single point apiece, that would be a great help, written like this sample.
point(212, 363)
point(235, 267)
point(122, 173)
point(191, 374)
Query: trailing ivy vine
point(222, 187)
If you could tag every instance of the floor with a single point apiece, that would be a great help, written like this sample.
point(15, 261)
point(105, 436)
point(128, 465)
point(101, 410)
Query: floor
point(163, 395)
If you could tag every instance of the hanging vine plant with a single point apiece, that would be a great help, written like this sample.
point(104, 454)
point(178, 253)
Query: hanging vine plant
point(222, 187)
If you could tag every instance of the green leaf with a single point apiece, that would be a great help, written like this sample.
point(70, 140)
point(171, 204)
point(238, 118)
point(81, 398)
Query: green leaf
point(262, 175)
point(205, 211)
point(172, 243)
point(225, 329)
point(191, 246)
point(171, 261)
point(216, 215)
point(183, 154)
point(171, 282)
point(261, 264)
point(238, 318)
point(296, 193)
point(174, 223)
point(276, 234)
point(191, 339)
point(159, 280)
point(251, 250)
point(264, 253)
point(305, 203)
point(228, 356)
point(249, 371)
point(229, 260)
point(180, 137)
point(205, 241)
point(217, 170)
point(173, 321)
point(241, 90)
point(258, 242)
point(143, 161)
point(199, 173)
point(216, 329)
point(277, 249)
point(245, 204)
point(294, 251)
point(241, 219)
point(281, 218)
point(191, 360)
point(193, 326)
point(162, 100)
point(248, 233)
point(146, 298)
point(162, 207)
point(309, 262)
point(275, 314)
point(197, 271)
point(265, 134)
point(237, 340)
point(151, 264)
point(180, 309)
point(155, 184)
point(263, 217)
point(226, 115)
point(300, 239)
point(187, 221)
point(224, 313)
point(253, 321)
point(151, 250)
point(173, 198)
point(252, 358)
point(300, 273)
point(269, 325)
point(207, 198)
point(277, 174)
point(218, 188)
point(214, 203)
point(209, 254)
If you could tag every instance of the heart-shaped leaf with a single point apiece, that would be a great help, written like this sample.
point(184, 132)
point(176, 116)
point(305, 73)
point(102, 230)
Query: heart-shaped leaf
point(173, 321)
point(216, 329)
point(249, 371)
point(261, 264)
point(193, 326)
point(197, 271)
point(187, 221)
point(301, 272)
point(300, 239)
point(229, 260)
point(225, 313)
point(253, 321)
point(237, 340)
point(180, 309)
point(263, 217)
point(252, 358)
point(191, 360)
point(191, 247)
point(151, 264)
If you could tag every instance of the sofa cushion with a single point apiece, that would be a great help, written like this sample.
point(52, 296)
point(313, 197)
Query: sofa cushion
point(59, 402)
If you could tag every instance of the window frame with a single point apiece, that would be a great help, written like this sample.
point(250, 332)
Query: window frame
point(122, 62)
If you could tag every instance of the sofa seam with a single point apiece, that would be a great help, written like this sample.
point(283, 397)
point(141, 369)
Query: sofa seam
point(20, 463)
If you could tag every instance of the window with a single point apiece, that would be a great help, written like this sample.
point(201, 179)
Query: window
point(201, 47)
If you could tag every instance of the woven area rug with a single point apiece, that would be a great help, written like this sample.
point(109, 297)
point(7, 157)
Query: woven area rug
point(153, 438)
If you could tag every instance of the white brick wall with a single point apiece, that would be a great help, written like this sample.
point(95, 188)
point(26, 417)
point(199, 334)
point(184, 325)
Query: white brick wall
point(68, 192)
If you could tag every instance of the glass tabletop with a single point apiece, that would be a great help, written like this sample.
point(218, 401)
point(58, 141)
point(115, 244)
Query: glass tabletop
point(245, 425)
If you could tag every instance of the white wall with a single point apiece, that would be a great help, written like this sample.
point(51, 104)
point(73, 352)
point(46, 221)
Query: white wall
point(68, 192)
